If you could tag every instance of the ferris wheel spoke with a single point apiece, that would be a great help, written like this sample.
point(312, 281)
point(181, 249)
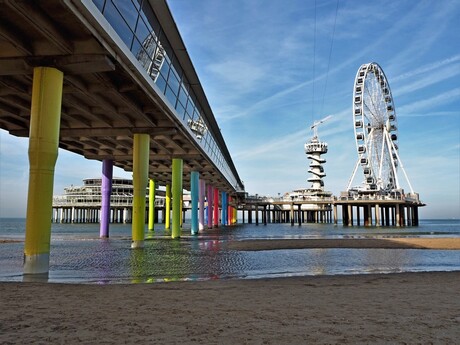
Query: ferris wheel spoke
point(371, 112)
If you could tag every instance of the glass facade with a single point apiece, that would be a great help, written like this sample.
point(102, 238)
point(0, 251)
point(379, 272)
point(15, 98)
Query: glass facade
point(136, 24)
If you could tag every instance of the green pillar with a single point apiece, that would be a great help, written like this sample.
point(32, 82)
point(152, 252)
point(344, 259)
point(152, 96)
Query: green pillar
point(152, 205)
point(140, 179)
point(177, 167)
point(45, 119)
point(168, 207)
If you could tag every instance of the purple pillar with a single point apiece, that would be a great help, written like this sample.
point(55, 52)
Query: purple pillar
point(209, 197)
point(106, 191)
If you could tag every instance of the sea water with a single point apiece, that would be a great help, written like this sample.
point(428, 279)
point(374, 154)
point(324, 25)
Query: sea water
point(78, 255)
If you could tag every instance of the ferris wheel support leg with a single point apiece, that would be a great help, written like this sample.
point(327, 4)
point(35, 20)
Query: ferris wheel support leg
point(353, 175)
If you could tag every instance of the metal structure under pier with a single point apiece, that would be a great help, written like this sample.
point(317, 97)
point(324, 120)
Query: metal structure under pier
point(294, 211)
point(379, 210)
point(365, 210)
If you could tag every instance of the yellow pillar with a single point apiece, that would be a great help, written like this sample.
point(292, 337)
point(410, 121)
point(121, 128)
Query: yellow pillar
point(45, 118)
point(168, 207)
point(140, 179)
point(151, 205)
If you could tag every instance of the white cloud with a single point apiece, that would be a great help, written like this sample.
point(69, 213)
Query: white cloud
point(430, 103)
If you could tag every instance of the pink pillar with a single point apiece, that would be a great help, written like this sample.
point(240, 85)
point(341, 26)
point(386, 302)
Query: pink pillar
point(202, 193)
point(209, 197)
point(216, 208)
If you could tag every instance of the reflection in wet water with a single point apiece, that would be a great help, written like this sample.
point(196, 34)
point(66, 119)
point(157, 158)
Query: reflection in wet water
point(77, 255)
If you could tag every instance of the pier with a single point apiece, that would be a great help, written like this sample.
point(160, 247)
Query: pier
point(111, 82)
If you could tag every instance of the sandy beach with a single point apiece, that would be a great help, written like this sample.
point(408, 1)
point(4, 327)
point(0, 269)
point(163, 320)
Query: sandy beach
point(406, 308)
point(446, 243)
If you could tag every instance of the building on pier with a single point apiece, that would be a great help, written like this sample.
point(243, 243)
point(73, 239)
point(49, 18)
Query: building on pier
point(82, 204)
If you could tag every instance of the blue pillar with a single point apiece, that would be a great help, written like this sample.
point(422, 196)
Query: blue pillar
point(194, 182)
point(106, 191)
point(224, 208)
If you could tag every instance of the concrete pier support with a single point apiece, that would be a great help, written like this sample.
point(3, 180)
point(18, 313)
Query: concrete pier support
point(350, 215)
point(387, 215)
point(408, 215)
point(209, 212)
point(335, 215)
point(366, 215)
point(195, 191)
point(229, 211)
point(151, 205)
point(168, 207)
point(141, 151)
point(415, 214)
point(177, 170)
point(377, 215)
point(224, 208)
point(106, 192)
point(216, 208)
point(45, 119)
point(202, 196)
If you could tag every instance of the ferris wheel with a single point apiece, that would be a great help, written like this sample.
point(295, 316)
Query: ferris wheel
point(375, 127)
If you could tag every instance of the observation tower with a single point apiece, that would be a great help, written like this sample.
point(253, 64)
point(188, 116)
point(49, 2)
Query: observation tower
point(314, 149)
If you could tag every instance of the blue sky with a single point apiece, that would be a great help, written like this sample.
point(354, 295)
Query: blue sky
point(268, 77)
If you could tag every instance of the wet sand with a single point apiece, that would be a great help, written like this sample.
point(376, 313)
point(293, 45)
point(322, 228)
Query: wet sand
point(451, 243)
point(407, 308)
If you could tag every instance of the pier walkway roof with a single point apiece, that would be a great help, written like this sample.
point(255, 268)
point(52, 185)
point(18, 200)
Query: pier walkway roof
point(126, 71)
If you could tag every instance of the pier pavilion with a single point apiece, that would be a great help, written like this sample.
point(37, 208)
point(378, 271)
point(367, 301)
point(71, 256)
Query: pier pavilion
point(83, 204)
point(111, 81)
